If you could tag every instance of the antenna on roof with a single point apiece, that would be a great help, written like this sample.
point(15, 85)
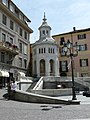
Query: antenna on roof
point(44, 19)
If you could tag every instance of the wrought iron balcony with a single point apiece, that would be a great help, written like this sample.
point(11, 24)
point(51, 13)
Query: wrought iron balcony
point(8, 47)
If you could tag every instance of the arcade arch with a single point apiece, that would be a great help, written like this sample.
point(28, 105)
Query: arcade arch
point(42, 67)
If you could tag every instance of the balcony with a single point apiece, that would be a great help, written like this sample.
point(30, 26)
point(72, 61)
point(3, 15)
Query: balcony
point(8, 47)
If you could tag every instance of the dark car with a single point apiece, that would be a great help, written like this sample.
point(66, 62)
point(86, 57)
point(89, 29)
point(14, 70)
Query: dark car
point(86, 93)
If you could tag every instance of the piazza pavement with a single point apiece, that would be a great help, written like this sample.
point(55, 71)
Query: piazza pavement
point(14, 110)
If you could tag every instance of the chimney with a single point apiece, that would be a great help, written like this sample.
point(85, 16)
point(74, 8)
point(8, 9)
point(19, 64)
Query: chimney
point(74, 28)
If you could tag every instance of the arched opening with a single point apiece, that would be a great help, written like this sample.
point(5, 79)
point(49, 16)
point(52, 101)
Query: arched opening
point(52, 71)
point(35, 69)
point(42, 67)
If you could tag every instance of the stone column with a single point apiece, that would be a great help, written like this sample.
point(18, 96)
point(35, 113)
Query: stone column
point(38, 67)
point(47, 66)
point(56, 67)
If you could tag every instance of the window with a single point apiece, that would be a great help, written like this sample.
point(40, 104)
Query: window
point(83, 62)
point(20, 62)
point(5, 2)
point(82, 36)
point(42, 50)
point(40, 33)
point(20, 47)
point(3, 37)
point(16, 27)
point(61, 40)
point(11, 40)
point(11, 24)
point(53, 51)
point(25, 63)
point(48, 50)
point(2, 57)
point(43, 32)
point(21, 16)
point(16, 12)
point(12, 8)
point(25, 49)
point(20, 32)
point(4, 19)
point(39, 50)
point(63, 66)
point(82, 47)
point(47, 32)
point(28, 36)
point(25, 35)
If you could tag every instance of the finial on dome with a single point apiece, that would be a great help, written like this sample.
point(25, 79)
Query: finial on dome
point(44, 19)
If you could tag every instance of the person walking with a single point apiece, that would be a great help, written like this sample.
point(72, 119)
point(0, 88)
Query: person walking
point(13, 88)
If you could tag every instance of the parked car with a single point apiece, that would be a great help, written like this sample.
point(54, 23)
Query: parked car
point(86, 93)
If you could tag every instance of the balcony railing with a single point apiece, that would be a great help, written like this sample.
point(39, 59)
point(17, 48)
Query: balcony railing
point(6, 46)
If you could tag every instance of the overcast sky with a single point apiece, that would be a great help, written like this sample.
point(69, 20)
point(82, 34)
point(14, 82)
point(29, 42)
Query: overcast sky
point(62, 15)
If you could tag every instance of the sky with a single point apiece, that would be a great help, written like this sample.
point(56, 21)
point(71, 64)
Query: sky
point(62, 15)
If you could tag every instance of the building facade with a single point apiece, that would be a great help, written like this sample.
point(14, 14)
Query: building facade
point(45, 53)
point(82, 61)
point(14, 41)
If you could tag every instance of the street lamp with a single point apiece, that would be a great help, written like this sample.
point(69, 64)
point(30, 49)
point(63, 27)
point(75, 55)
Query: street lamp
point(71, 50)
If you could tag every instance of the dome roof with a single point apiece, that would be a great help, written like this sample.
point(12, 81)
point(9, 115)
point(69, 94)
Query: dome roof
point(45, 37)
point(44, 23)
point(50, 39)
point(46, 41)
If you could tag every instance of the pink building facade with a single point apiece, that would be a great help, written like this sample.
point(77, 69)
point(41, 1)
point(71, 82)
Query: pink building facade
point(82, 61)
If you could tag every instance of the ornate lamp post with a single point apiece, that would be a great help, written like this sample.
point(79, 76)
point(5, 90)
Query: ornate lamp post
point(71, 51)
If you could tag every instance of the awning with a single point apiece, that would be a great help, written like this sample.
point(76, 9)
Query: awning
point(4, 73)
point(21, 74)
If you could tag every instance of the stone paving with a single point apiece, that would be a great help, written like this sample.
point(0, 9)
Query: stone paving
point(14, 110)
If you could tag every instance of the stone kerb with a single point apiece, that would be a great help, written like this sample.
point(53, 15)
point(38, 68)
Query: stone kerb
point(53, 92)
point(35, 98)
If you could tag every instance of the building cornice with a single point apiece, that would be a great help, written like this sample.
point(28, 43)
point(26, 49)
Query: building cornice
point(72, 32)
